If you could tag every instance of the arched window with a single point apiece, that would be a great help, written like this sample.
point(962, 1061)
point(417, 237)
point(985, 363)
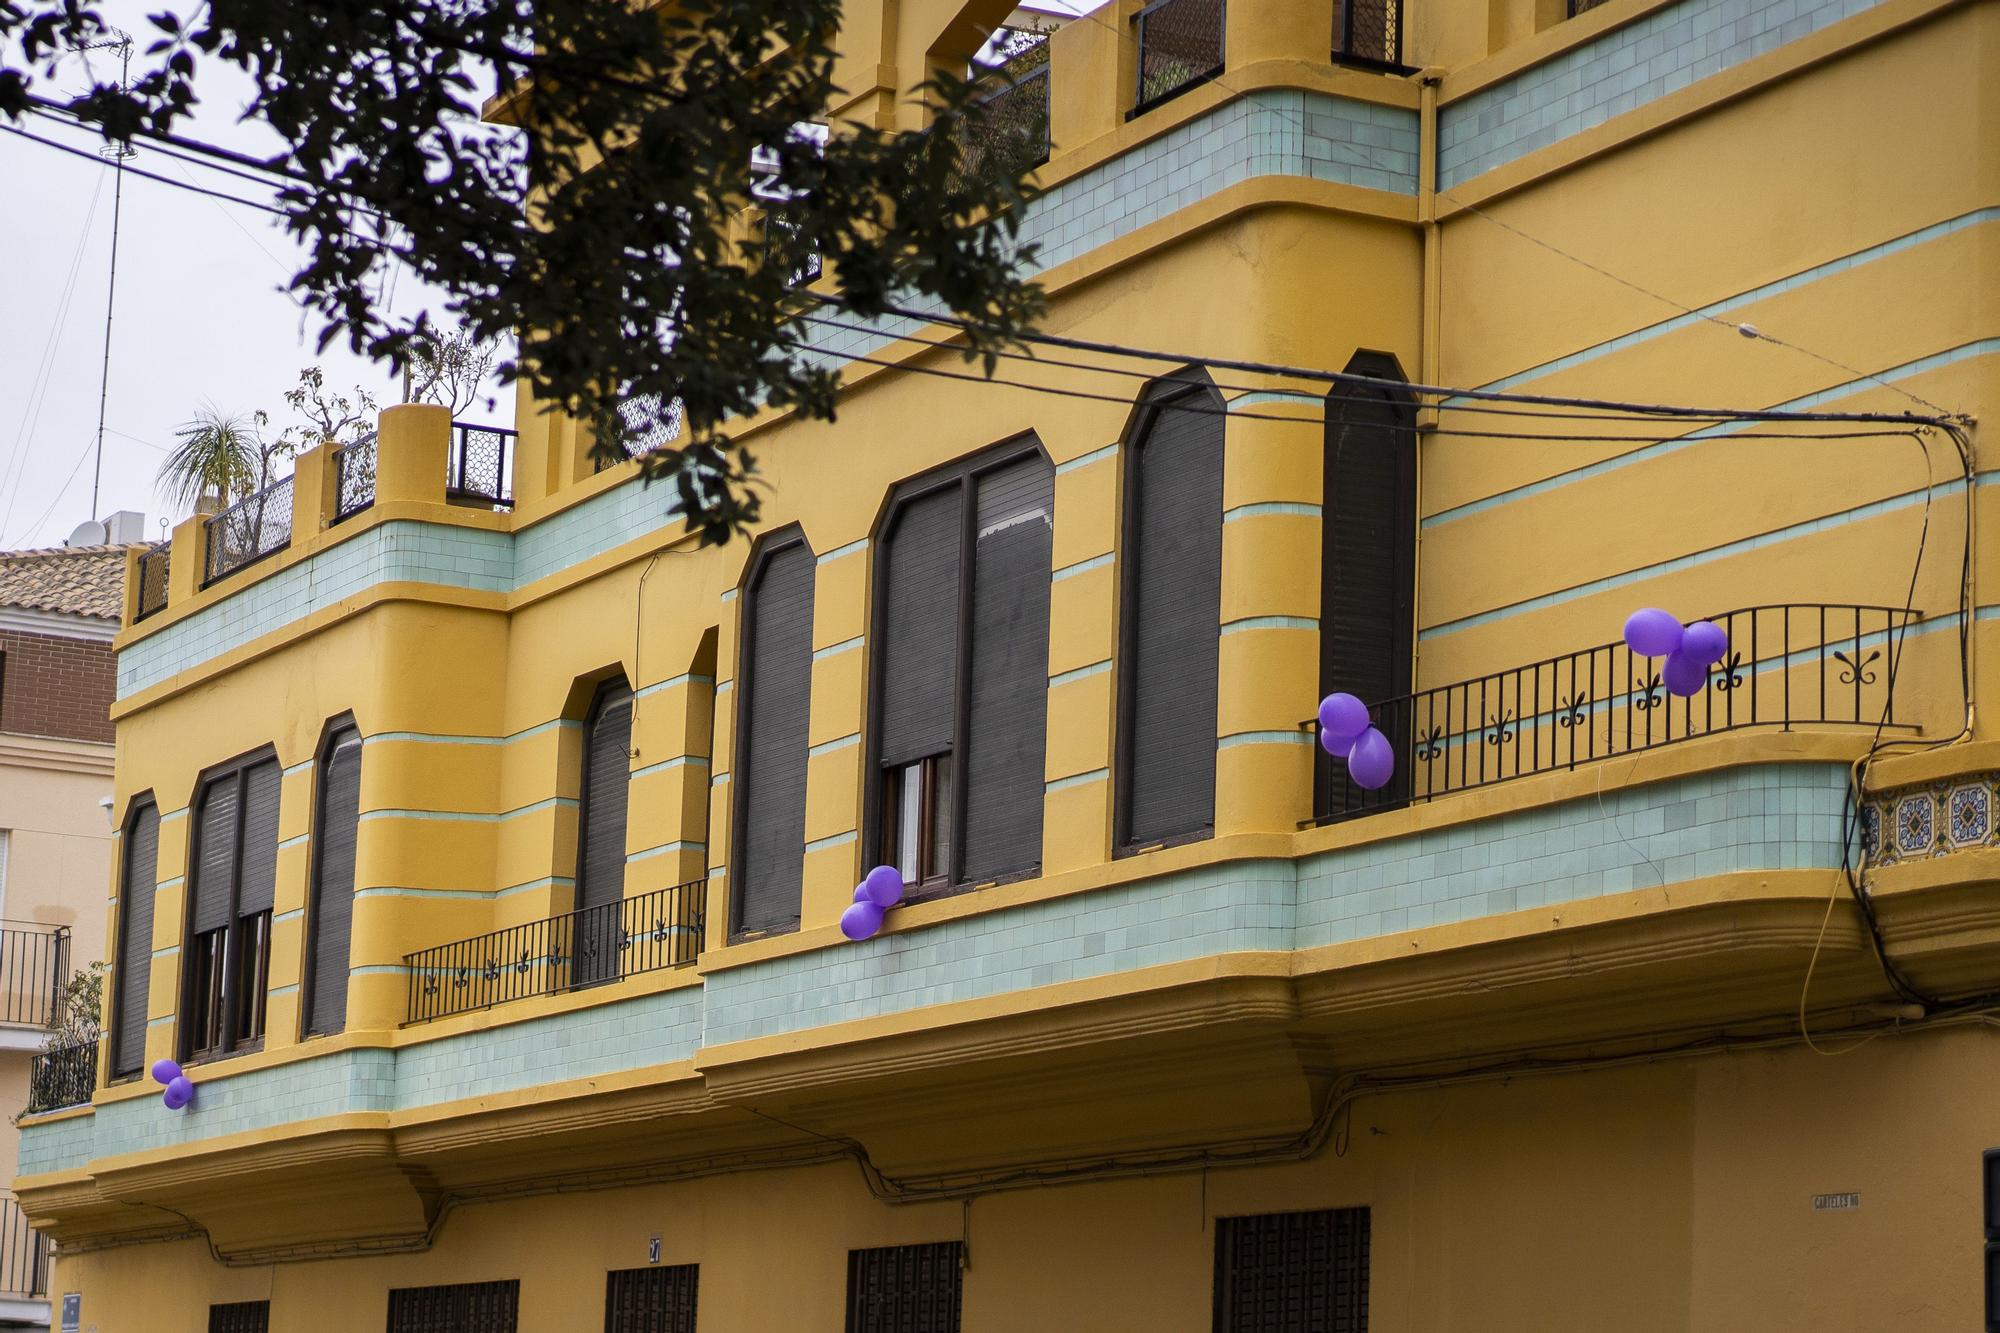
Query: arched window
point(960, 659)
point(336, 830)
point(1170, 619)
point(137, 873)
point(1368, 563)
point(226, 963)
point(773, 704)
point(600, 831)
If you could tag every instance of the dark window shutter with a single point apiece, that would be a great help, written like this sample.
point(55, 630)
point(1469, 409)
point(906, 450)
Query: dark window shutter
point(1006, 726)
point(1172, 619)
point(1367, 568)
point(333, 882)
point(215, 854)
point(607, 780)
point(1292, 1272)
point(240, 1317)
point(774, 681)
point(651, 1300)
point(905, 1288)
point(137, 878)
point(260, 837)
point(918, 656)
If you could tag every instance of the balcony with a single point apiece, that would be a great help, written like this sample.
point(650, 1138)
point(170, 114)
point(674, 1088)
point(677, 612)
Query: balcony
point(34, 964)
point(1008, 125)
point(1792, 665)
point(254, 528)
point(1180, 47)
point(154, 569)
point(62, 1076)
point(1369, 33)
point(479, 470)
point(574, 951)
point(24, 1270)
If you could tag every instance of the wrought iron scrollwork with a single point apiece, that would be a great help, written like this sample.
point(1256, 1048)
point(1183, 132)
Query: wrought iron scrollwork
point(1431, 744)
point(1729, 676)
point(1855, 667)
point(1500, 729)
point(1571, 711)
point(1646, 692)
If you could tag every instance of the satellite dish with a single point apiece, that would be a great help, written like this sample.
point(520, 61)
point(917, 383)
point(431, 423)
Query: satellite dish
point(88, 533)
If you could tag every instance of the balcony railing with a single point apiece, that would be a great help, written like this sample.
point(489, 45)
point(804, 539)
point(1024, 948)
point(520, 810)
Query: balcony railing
point(254, 527)
point(1800, 664)
point(643, 933)
point(24, 1255)
point(64, 1076)
point(1008, 127)
point(1369, 32)
point(1180, 46)
point(154, 566)
point(34, 963)
point(353, 478)
point(479, 467)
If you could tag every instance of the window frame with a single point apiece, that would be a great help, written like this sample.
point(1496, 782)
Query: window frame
point(121, 969)
point(768, 548)
point(330, 740)
point(228, 1043)
point(962, 475)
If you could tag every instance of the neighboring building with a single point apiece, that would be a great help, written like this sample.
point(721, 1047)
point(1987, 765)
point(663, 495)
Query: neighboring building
point(59, 609)
point(484, 862)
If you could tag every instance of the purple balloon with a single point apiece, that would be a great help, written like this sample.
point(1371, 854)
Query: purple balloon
point(1651, 632)
point(860, 921)
point(1372, 762)
point(165, 1071)
point(1684, 675)
point(179, 1093)
point(1705, 642)
point(884, 885)
point(1342, 719)
point(861, 893)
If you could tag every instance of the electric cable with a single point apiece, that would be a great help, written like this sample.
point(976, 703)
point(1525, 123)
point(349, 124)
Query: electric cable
point(148, 175)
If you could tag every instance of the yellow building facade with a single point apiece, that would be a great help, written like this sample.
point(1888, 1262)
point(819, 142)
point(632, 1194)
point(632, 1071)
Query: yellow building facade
point(497, 927)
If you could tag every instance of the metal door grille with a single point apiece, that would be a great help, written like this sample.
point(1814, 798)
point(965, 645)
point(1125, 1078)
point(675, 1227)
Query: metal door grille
point(651, 1300)
point(240, 1317)
point(470, 1307)
point(1292, 1272)
point(904, 1288)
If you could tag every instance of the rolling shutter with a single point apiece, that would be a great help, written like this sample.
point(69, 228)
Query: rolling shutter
point(1172, 613)
point(607, 781)
point(260, 838)
point(138, 875)
point(1006, 730)
point(1292, 1272)
point(215, 854)
point(1368, 544)
point(333, 887)
point(775, 682)
point(918, 656)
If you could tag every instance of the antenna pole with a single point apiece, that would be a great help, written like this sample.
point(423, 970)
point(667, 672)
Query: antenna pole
point(118, 152)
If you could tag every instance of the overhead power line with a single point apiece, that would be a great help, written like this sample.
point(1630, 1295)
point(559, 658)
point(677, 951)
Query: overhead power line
point(89, 156)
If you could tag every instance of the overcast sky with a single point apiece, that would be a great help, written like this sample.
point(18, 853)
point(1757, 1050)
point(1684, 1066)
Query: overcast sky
point(201, 315)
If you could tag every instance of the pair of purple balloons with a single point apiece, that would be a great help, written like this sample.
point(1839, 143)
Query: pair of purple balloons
point(1345, 732)
point(1690, 650)
point(881, 890)
point(180, 1089)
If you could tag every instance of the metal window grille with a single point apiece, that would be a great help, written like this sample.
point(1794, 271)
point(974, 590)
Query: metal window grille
point(1180, 45)
point(154, 567)
point(905, 1288)
point(63, 1076)
point(240, 1317)
point(1007, 128)
point(643, 933)
point(1788, 665)
point(1292, 1272)
point(651, 1300)
point(470, 1307)
point(1369, 32)
point(353, 479)
point(34, 963)
point(24, 1254)
point(254, 527)
point(479, 467)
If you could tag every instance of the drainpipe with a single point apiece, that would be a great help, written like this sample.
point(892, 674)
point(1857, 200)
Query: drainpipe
point(1430, 354)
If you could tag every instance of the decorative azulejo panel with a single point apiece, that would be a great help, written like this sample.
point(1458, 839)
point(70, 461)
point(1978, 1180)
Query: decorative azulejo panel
point(1933, 820)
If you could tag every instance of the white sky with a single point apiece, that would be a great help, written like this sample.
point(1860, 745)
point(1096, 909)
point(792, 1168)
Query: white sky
point(201, 313)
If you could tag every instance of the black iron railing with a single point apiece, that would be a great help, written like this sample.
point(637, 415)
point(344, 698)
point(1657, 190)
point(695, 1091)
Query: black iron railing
point(154, 566)
point(353, 478)
point(1180, 45)
point(1369, 32)
point(1797, 664)
point(34, 963)
point(643, 933)
point(63, 1076)
point(1007, 129)
point(254, 527)
point(24, 1254)
point(479, 467)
